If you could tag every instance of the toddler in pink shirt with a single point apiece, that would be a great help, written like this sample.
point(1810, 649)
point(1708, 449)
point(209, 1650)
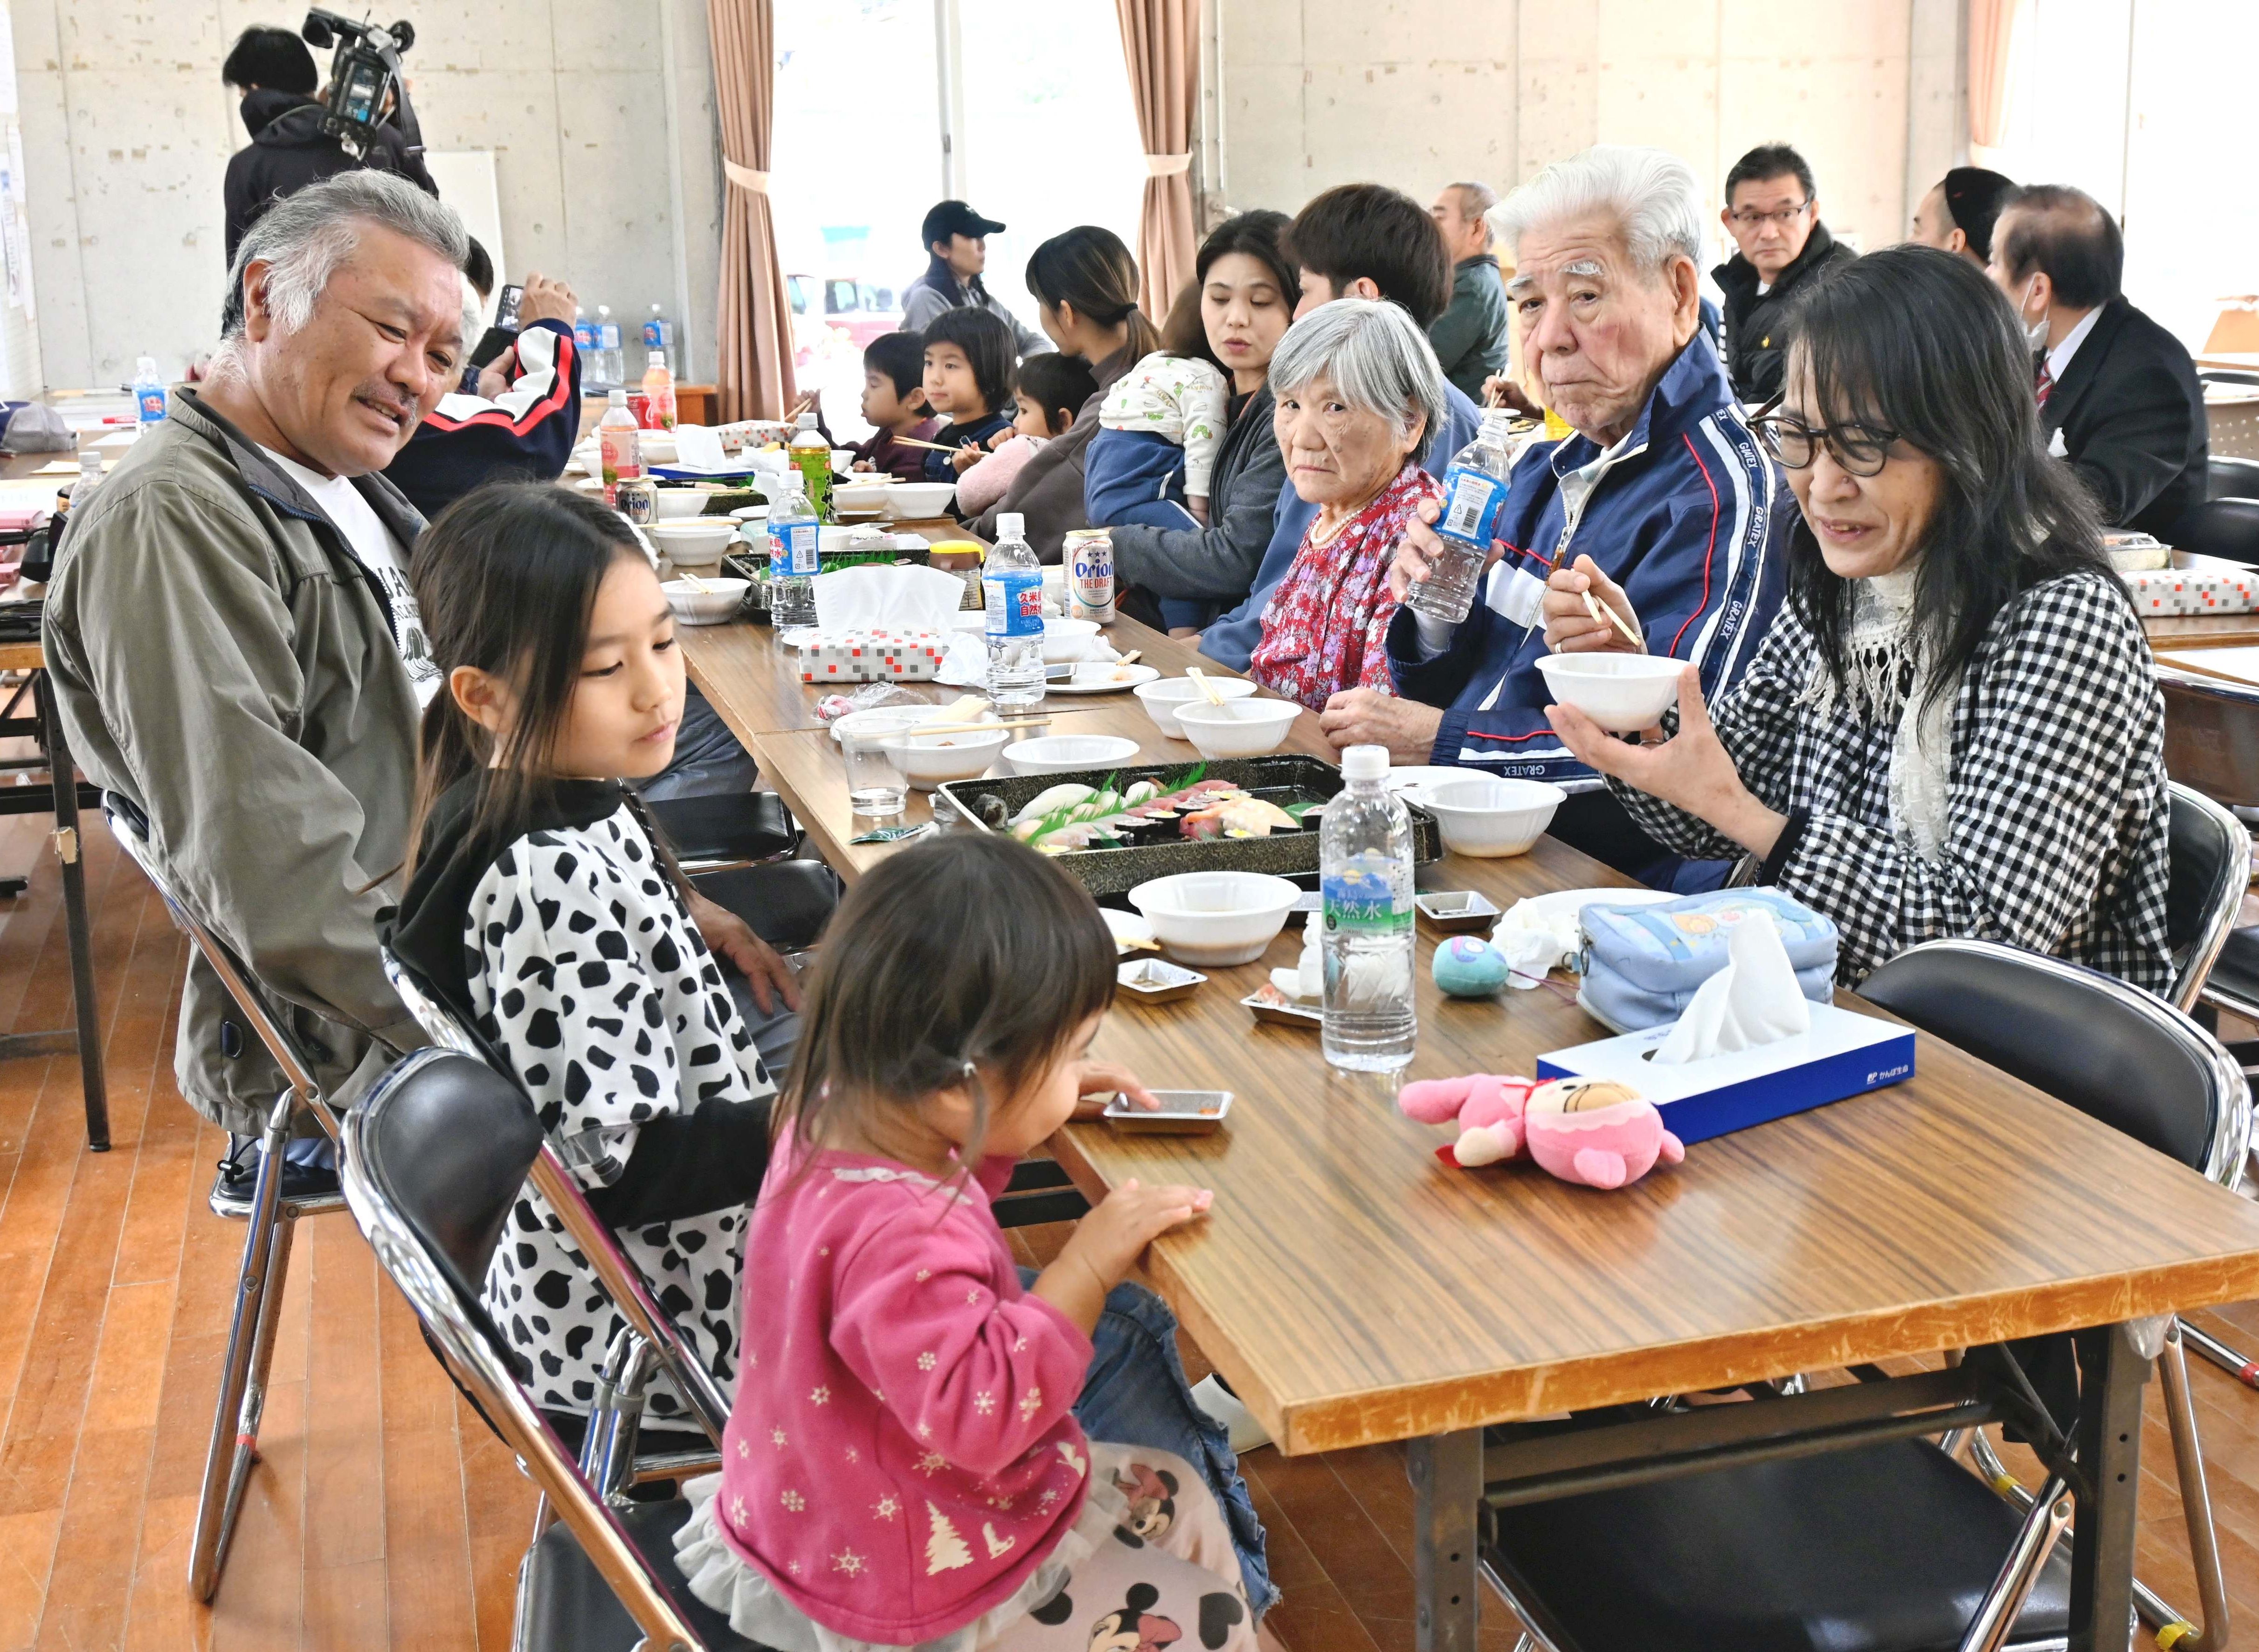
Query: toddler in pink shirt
point(902, 1467)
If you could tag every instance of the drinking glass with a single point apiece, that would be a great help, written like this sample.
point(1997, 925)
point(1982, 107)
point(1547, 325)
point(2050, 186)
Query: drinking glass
point(875, 786)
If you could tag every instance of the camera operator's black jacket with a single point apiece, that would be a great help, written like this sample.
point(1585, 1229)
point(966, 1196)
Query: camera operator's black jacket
point(288, 150)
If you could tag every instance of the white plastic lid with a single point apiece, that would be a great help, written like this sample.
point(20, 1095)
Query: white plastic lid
point(1364, 763)
point(807, 420)
point(1010, 524)
point(616, 396)
point(146, 368)
point(658, 358)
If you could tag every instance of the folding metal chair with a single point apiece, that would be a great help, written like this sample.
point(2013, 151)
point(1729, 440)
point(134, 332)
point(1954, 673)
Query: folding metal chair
point(2120, 1055)
point(272, 1215)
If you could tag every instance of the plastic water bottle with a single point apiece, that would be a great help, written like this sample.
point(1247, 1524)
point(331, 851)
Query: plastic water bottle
point(1474, 494)
point(1365, 883)
point(794, 547)
point(811, 456)
point(659, 334)
point(1012, 592)
point(618, 447)
point(584, 345)
point(611, 366)
point(148, 393)
point(658, 392)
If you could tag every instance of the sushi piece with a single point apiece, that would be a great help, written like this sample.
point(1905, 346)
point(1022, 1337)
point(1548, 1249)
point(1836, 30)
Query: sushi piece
point(1052, 799)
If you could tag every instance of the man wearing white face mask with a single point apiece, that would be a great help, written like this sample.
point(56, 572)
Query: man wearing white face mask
point(2117, 394)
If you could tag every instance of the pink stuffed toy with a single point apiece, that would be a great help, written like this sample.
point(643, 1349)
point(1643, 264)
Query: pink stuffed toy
point(1595, 1132)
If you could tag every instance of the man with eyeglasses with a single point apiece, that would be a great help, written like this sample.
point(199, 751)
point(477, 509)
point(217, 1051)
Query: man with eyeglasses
point(1772, 212)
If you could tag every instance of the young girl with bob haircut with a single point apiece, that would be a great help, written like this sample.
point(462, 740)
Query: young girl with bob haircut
point(902, 1467)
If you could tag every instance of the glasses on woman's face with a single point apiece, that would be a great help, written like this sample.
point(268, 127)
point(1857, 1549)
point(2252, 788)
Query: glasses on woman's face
point(1859, 449)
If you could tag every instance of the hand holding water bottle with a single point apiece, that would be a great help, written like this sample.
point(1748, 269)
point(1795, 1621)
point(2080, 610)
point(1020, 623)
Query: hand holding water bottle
point(1422, 548)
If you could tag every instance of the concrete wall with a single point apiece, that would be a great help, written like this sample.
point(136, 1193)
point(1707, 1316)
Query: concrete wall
point(1417, 93)
point(600, 114)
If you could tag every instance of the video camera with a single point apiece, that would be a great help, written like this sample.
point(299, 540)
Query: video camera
point(366, 67)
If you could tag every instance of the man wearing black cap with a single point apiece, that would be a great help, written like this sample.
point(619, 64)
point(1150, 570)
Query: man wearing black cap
point(1958, 213)
point(957, 244)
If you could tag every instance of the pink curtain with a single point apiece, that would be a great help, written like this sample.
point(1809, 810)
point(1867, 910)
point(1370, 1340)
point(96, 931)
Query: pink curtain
point(1160, 40)
point(753, 371)
point(1991, 25)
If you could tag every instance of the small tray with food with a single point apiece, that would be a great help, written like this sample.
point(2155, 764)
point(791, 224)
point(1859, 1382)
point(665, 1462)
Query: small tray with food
point(1456, 911)
point(1272, 1005)
point(1154, 980)
point(1115, 829)
point(1181, 1112)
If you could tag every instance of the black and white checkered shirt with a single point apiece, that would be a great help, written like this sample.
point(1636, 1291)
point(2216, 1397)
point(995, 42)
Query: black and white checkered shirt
point(2058, 807)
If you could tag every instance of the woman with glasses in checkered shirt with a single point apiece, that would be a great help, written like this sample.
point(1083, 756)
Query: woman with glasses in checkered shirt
point(1952, 730)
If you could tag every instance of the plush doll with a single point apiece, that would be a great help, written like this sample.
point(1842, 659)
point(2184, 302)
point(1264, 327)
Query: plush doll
point(1596, 1132)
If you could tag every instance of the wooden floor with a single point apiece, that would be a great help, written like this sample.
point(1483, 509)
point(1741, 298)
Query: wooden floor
point(384, 1515)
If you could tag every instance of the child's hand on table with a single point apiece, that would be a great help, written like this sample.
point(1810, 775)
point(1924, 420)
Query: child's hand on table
point(1100, 1080)
point(965, 458)
point(1108, 1242)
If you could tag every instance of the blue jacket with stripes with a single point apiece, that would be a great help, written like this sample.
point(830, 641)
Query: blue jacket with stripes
point(1681, 513)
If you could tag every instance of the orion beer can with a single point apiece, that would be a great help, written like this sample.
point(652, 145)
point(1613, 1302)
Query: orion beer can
point(638, 502)
point(1088, 553)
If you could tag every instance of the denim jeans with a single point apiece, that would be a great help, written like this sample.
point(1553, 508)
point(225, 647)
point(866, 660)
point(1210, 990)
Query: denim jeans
point(1136, 1394)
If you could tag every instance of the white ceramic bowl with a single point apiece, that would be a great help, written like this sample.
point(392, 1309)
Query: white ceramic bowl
point(926, 761)
point(842, 458)
point(1491, 817)
point(861, 495)
point(708, 602)
point(1161, 699)
point(1621, 692)
point(677, 503)
point(657, 447)
point(1065, 753)
point(695, 543)
point(1064, 638)
point(1238, 728)
point(1215, 918)
point(919, 499)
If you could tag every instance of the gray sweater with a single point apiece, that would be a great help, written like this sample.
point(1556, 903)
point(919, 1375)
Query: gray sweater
point(923, 302)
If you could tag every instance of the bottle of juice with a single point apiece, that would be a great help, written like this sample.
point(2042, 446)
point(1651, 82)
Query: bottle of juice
point(617, 442)
point(658, 393)
point(811, 456)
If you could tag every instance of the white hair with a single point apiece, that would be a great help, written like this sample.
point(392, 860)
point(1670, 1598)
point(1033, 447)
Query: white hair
point(1651, 193)
point(302, 239)
point(1376, 358)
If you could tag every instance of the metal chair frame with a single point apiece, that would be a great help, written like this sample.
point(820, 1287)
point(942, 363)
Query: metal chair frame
point(2219, 922)
point(272, 1217)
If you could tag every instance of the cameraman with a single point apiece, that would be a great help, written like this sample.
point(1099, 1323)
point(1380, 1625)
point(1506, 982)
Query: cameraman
point(273, 73)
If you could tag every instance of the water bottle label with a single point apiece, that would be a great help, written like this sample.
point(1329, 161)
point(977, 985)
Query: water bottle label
point(1472, 503)
point(151, 405)
point(651, 340)
point(1013, 599)
point(1371, 901)
point(584, 335)
point(792, 549)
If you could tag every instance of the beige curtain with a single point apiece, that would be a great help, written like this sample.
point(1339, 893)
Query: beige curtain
point(753, 371)
point(1160, 40)
point(1991, 23)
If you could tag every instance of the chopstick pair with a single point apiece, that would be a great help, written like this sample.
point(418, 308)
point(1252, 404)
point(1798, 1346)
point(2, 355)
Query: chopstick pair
point(976, 728)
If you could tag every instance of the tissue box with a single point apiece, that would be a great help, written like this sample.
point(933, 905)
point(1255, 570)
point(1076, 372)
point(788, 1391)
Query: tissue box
point(2214, 589)
point(872, 656)
point(1845, 1054)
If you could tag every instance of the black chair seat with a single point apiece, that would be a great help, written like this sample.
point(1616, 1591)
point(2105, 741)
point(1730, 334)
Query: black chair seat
point(727, 826)
point(568, 1606)
point(787, 902)
point(2224, 528)
point(1888, 1549)
point(2236, 972)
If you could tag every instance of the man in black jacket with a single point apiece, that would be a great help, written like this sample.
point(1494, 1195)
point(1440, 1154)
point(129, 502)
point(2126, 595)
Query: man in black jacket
point(275, 74)
point(2117, 394)
point(1772, 212)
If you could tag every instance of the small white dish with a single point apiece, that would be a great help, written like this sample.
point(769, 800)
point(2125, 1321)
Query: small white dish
point(918, 499)
point(1131, 932)
point(750, 513)
point(1491, 817)
point(928, 761)
point(695, 543)
point(1067, 753)
point(1103, 677)
point(1622, 692)
point(1215, 918)
point(1238, 728)
point(707, 603)
point(884, 719)
point(860, 496)
point(1161, 699)
point(842, 458)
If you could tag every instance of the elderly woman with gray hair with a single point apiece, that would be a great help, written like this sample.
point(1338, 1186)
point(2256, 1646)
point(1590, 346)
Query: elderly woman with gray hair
point(1357, 389)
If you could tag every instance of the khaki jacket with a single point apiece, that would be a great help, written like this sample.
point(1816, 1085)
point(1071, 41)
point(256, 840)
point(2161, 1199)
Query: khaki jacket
point(221, 658)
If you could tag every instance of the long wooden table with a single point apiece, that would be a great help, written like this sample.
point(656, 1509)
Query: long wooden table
point(1354, 1290)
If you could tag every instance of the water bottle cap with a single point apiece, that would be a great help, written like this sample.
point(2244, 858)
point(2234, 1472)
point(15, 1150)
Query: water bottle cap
point(1010, 524)
point(616, 396)
point(806, 421)
point(1364, 763)
point(658, 358)
point(146, 368)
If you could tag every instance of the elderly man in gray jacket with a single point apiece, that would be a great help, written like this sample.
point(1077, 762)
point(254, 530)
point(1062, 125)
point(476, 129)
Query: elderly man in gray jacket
point(236, 651)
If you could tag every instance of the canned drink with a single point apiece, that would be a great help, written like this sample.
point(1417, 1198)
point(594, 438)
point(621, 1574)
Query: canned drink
point(1088, 553)
point(639, 502)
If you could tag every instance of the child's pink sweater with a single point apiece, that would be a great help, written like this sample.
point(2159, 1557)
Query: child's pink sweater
point(902, 1452)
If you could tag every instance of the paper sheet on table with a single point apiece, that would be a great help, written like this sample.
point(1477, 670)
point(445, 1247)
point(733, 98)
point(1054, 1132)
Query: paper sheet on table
point(697, 448)
point(58, 468)
point(896, 599)
point(1753, 1001)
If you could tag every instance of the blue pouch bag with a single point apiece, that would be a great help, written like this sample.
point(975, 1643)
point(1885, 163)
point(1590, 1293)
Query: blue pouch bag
point(1642, 964)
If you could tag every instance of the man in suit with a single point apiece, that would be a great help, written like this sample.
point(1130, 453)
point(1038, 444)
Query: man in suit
point(2117, 394)
point(1772, 212)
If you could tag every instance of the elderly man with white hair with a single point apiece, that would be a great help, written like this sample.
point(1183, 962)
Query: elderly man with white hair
point(1660, 485)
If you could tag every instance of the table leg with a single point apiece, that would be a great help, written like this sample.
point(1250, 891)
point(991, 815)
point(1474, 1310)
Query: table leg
point(2113, 1373)
point(1447, 1483)
point(64, 774)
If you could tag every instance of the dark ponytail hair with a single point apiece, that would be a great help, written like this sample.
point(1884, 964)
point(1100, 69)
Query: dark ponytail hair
point(506, 579)
point(1088, 268)
point(967, 955)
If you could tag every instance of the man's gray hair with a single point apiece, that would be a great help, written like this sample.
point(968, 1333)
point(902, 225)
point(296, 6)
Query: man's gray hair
point(303, 238)
point(1652, 194)
point(1376, 358)
point(1475, 199)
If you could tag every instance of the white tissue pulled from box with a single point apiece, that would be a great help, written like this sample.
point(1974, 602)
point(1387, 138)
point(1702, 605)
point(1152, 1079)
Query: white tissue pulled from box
point(697, 448)
point(1751, 1002)
point(965, 665)
point(1307, 980)
point(876, 623)
point(1536, 942)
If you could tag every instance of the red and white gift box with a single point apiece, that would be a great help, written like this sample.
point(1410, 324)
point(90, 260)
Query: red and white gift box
point(2213, 588)
point(872, 656)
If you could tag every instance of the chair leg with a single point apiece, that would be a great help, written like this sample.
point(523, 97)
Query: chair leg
point(2044, 1522)
point(243, 1375)
point(2235, 1365)
point(2196, 1496)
